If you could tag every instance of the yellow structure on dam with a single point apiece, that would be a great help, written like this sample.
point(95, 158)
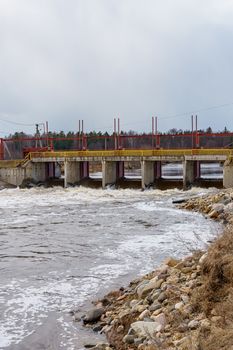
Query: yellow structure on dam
point(39, 166)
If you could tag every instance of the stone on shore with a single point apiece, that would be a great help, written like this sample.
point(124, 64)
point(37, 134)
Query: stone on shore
point(93, 315)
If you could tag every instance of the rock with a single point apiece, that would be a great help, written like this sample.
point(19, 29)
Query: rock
point(171, 262)
point(179, 306)
point(146, 329)
point(124, 313)
point(120, 329)
point(218, 207)
point(139, 308)
point(128, 339)
point(97, 328)
point(145, 313)
point(202, 258)
point(184, 343)
point(216, 319)
point(186, 270)
point(93, 315)
point(156, 313)
point(213, 214)
point(162, 296)
point(155, 306)
point(138, 341)
point(205, 324)
point(155, 295)
point(89, 346)
point(193, 324)
point(184, 298)
point(154, 283)
point(133, 303)
point(102, 346)
point(141, 286)
point(161, 319)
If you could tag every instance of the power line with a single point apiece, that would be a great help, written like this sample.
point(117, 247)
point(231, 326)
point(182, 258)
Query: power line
point(15, 123)
point(196, 111)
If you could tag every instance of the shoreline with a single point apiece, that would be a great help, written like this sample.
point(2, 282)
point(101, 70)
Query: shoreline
point(177, 306)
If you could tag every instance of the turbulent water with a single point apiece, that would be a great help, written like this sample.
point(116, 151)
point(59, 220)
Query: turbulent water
point(62, 247)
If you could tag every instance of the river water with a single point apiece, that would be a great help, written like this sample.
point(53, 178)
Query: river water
point(60, 248)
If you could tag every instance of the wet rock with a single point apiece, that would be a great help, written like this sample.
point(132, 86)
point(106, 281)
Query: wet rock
point(93, 315)
point(97, 328)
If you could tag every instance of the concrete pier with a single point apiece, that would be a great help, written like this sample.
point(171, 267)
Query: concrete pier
point(228, 173)
point(111, 172)
point(71, 173)
point(191, 172)
point(39, 172)
point(74, 172)
point(151, 172)
point(148, 173)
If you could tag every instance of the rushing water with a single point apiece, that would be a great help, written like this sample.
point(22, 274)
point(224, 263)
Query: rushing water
point(61, 247)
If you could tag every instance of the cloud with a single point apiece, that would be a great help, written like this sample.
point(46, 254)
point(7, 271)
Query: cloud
point(94, 60)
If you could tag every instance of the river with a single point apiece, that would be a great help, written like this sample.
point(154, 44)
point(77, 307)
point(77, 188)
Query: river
point(61, 248)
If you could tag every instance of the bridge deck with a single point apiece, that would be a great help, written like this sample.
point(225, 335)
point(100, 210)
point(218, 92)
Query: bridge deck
point(218, 154)
point(133, 153)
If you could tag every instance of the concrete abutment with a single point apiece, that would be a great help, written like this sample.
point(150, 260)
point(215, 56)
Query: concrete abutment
point(228, 173)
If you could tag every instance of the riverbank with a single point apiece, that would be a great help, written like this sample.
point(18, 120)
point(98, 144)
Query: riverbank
point(184, 304)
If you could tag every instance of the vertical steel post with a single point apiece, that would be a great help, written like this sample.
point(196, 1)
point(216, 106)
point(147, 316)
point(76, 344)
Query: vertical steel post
point(197, 141)
point(1, 149)
point(156, 133)
point(119, 143)
point(192, 129)
point(153, 132)
point(115, 138)
point(79, 127)
point(47, 132)
point(82, 132)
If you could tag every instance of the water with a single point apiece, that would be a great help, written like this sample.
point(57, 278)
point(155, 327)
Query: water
point(60, 248)
point(175, 171)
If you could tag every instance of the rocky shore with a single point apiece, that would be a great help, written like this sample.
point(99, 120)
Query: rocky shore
point(184, 304)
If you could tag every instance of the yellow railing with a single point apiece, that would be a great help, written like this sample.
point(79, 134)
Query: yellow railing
point(10, 163)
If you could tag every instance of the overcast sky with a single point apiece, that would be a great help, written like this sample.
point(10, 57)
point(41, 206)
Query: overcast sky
point(65, 60)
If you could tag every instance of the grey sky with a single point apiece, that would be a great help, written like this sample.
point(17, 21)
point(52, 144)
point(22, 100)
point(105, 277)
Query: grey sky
point(64, 60)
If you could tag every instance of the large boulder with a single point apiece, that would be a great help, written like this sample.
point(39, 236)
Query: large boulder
point(147, 329)
point(93, 315)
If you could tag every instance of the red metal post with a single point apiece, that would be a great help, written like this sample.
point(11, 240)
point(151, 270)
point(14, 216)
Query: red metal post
point(119, 137)
point(197, 138)
point(153, 132)
point(79, 127)
point(115, 136)
point(156, 133)
point(1, 149)
point(192, 129)
point(47, 133)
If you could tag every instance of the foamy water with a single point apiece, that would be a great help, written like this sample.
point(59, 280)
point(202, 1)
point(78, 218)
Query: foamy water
point(60, 247)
